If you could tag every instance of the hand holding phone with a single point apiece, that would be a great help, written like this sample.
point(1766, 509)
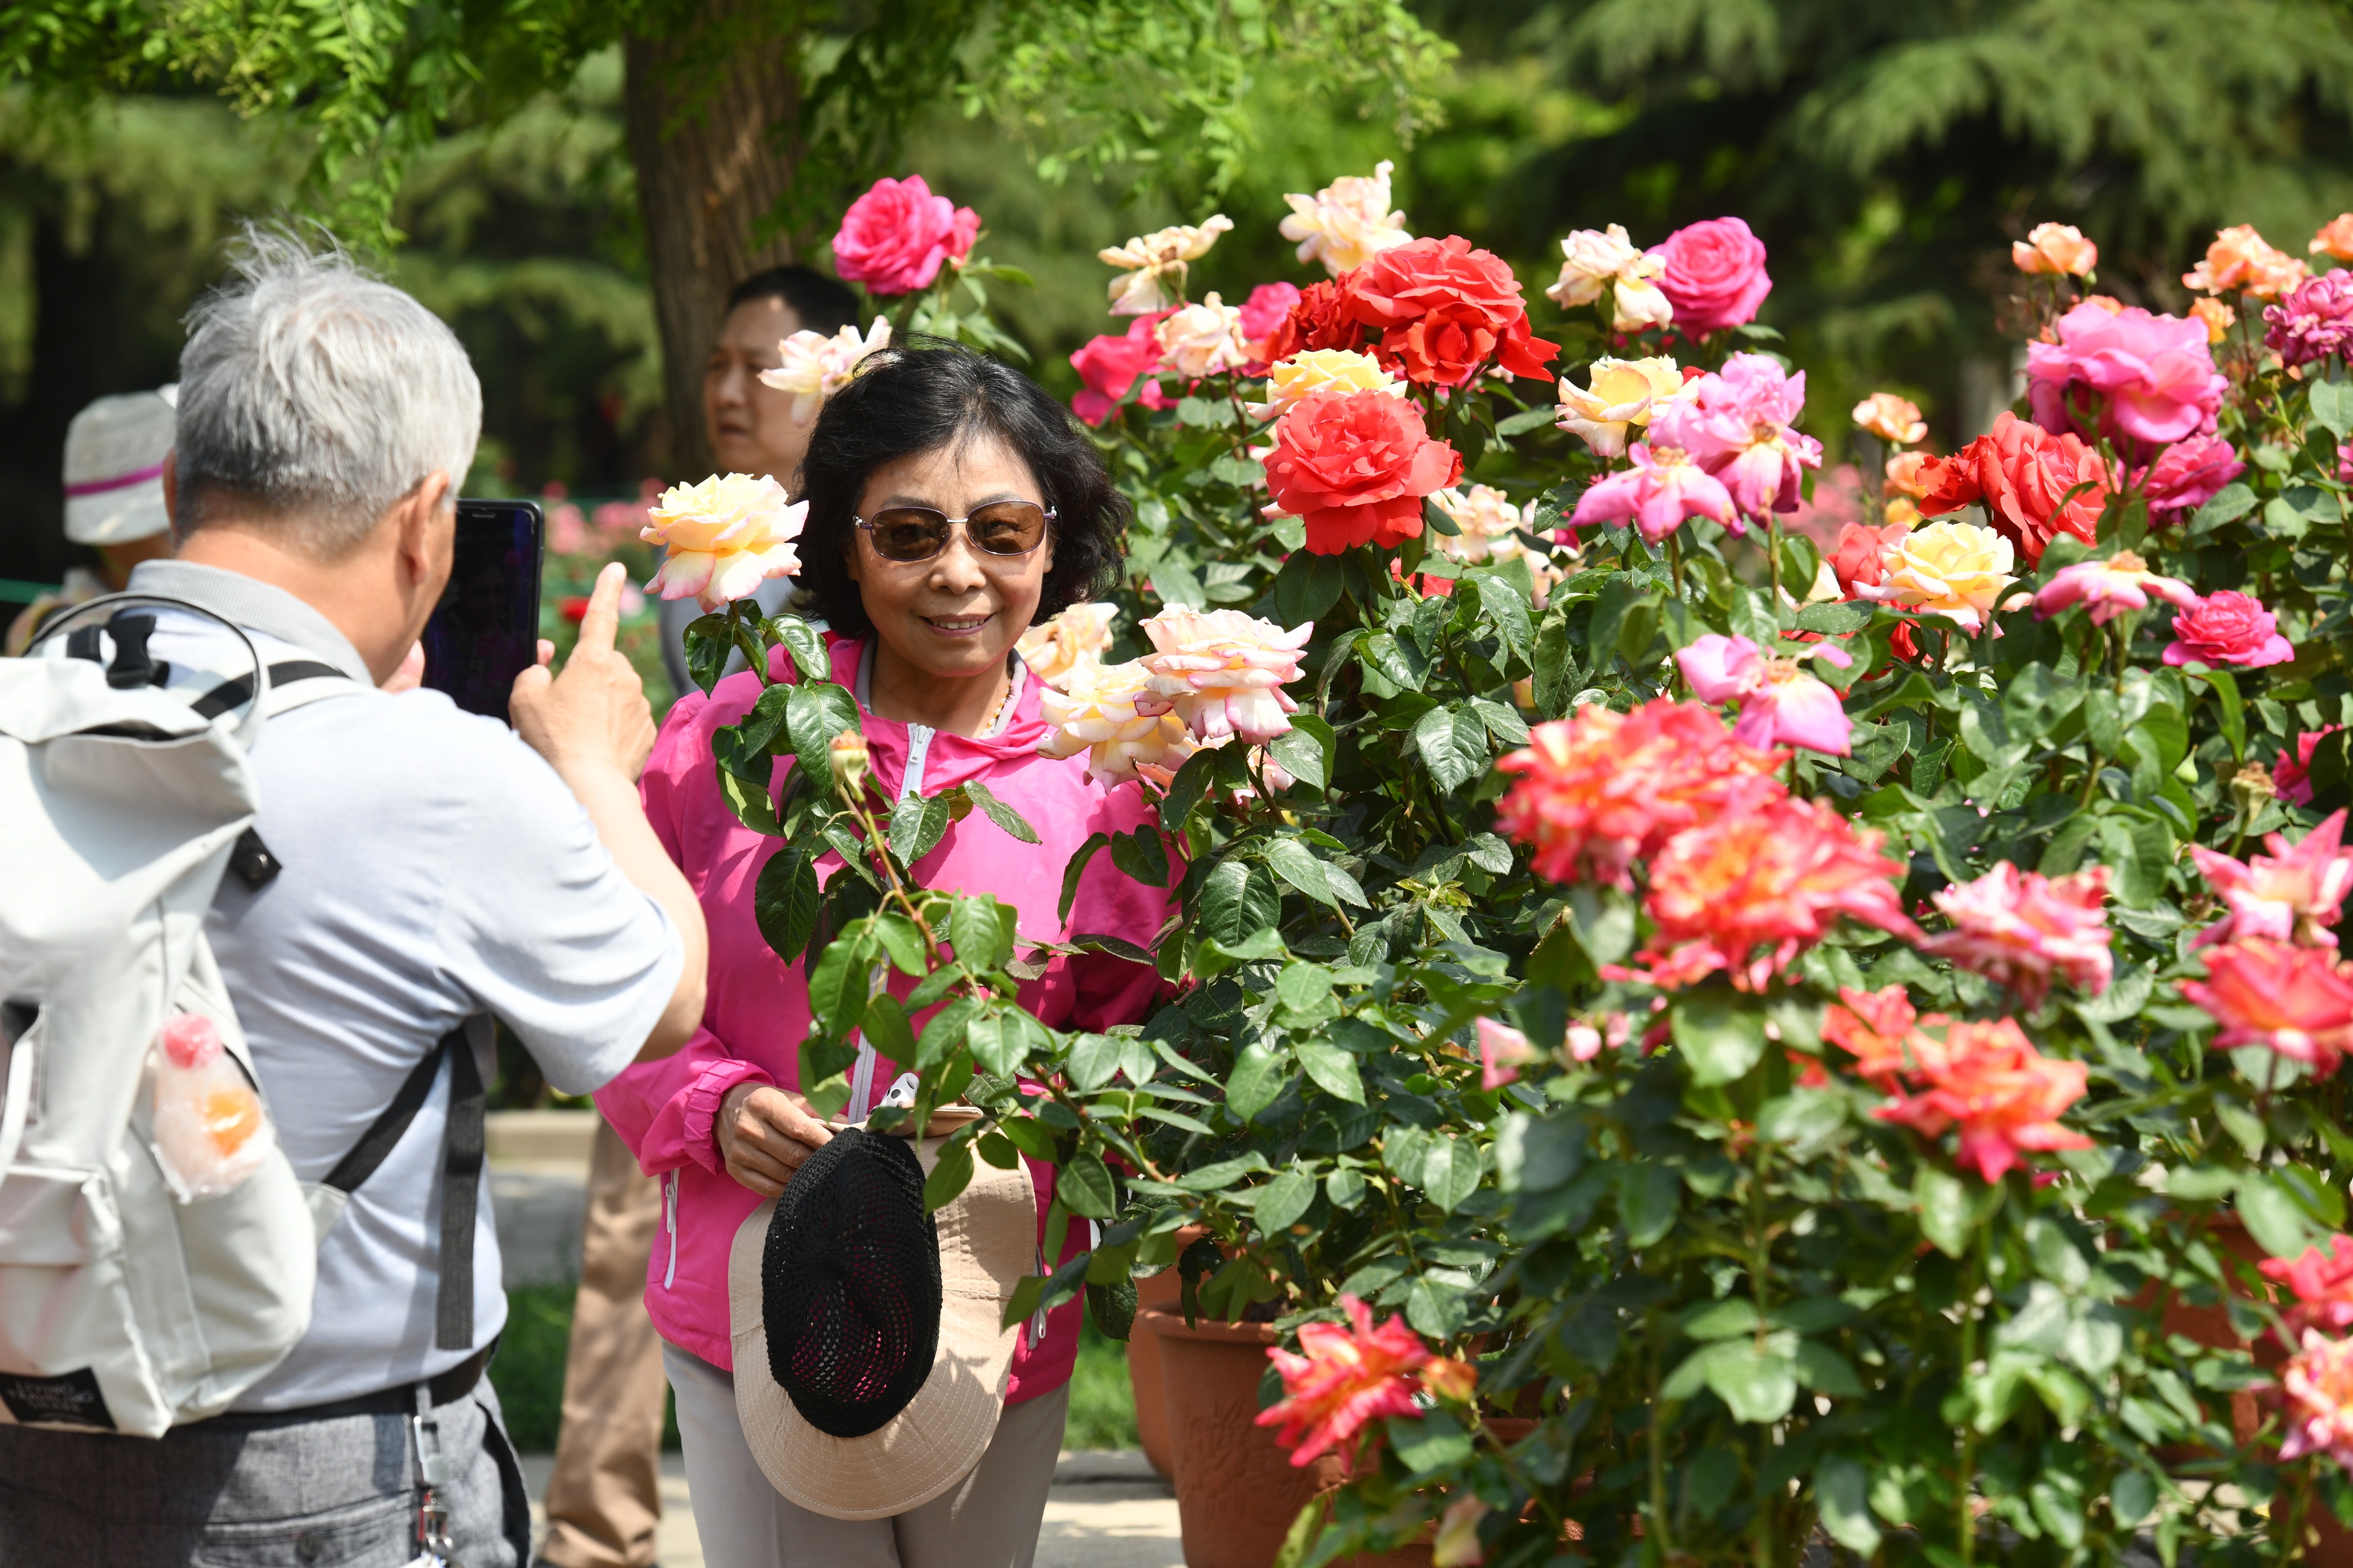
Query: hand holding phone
point(485, 631)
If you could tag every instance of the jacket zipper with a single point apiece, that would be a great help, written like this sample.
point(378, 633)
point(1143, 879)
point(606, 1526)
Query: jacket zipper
point(670, 1215)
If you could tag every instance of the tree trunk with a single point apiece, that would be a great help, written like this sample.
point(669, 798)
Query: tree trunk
point(710, 140)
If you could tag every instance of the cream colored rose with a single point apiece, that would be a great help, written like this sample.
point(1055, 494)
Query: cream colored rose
point(1958, 570)
point(1225, 670)
point(1112, 712)
point(1320, 370)
point(1157, 264)
point(1895, 420)
point(1624, 392)
point(1589, 260)
point(724, 537)
point(1347, 223)
point(1080, 634)
point(814, 367)
point(1636, 303)
point(1203, 339)
point(1488, 521)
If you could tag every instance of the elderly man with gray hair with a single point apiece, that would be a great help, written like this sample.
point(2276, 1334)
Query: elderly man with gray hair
point(428, 869)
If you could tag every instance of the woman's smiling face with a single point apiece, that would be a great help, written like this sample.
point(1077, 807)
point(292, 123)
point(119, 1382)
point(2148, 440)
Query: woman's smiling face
point(958, 615)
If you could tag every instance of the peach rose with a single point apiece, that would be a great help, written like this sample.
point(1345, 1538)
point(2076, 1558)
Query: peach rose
point(1895, 420)
point(724, 537)
point(1203, 339)
point(1080, 634)
point(2241, 260)
point(1347, 223)
point(1488, 521)
point(2335, 238)
point(814, 367)
point(1111, 712)
point(1224, 671)
point(1157, 264)
point(2218, 318)
point(2055, 248)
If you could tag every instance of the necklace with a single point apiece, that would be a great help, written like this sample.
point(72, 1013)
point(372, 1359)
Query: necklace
point(988, 721)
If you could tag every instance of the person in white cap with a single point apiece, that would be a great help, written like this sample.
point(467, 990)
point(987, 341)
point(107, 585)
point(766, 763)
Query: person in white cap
point(114, 499)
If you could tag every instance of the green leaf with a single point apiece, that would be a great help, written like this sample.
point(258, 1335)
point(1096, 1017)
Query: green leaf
point(1236, 900)
point(1292, 861)
point(917, 826)
point(1756, 1386)
point(707, 647)
point(1436, 1309)
point(944, 1034)
point(806, 643)
point(1077, 866)
point(785, 902)
point(1186, 790)
point(1527, 419)
point(1333, 1069)
point(1435, 1442)
point(750, 803)
point(1084, 1186)
point(2132, 1497)
point(1825, 1371)
point(949, 1177)
point(1301, 986)
point(813, 715)
point(1720, 1033)
point(1649, 1195)
point(998, 811)
point(1945, 1210)
point(2234, 707)
point(1282, 1200)
point(1143, 855)
point(760, 726)
point(2331, 403)
point(1449, 1171)
point(838, 988)
point(1433, 738)
point(996, 1041)
point(977, 932)
point(1842, 1489)
point(1304, 754)
point(1307, 588)
point(1385, 656)
point(902, 942)
point(2232, 503)
point(887, 1030)
point(2273, 1217)
point(1834, 620)
point(1093, 1059)
point(1256, 1081)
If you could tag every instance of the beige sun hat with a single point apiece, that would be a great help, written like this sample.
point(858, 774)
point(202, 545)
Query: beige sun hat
point(988, 1241)
point(114, 467)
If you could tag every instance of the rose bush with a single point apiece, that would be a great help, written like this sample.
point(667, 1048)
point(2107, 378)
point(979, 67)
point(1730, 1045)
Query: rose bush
point(1717, 1053)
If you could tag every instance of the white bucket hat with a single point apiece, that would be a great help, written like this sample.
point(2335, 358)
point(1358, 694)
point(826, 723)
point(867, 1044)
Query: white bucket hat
point(114, 467)
point(988, 1241)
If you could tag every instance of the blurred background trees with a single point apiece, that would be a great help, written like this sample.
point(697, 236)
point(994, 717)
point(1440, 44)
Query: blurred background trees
point(495, 158)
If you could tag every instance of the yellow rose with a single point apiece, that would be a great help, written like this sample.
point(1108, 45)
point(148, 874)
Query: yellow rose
point(1487, 518)
point(1623, 393)
point(724, 537)
point(1347, 223)
point(1957, 570)
point(1322, 370)
point(1156, 262)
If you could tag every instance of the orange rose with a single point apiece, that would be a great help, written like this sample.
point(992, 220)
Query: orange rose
point(2055, 248)
point(2020, 472)
point(2241, 259)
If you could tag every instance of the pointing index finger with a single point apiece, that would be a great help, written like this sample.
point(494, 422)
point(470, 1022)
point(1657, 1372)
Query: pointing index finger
point(603, 619)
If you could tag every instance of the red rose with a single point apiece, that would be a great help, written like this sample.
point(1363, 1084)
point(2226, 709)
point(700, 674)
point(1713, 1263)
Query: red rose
point(1354, 466)
point(896, 237)
point(2021, 472)
point(1110, 365)
point(1855, 561)
point(1442, 309)
point(1318, 319)
point(1714, 277)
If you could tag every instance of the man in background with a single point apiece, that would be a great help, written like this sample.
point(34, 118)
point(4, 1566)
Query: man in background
point(114, 500)
point(604, 1499)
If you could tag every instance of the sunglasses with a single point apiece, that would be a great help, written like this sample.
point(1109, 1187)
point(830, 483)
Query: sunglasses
point(912, 533)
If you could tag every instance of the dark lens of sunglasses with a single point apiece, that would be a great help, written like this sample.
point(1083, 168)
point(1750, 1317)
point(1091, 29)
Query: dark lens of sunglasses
point(1008, 528)
point(910, 535)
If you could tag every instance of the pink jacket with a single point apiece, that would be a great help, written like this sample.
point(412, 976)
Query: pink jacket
point(757, 1013)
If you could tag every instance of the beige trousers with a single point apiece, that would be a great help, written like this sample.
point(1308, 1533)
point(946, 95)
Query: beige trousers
point(988, 1519)
point(604, 1500)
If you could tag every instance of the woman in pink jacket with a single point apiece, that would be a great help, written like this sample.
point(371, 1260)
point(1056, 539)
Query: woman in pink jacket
point(952, 503)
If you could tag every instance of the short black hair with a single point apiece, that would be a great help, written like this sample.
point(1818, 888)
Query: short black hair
point(824, 304)
point(920, 399)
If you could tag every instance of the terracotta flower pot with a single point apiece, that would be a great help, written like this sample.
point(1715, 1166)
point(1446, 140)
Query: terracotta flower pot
point(1237, 1490)
point(1143, 1369)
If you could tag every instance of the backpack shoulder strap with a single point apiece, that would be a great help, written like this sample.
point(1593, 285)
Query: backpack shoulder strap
point(233, 693)
point(462, 1143)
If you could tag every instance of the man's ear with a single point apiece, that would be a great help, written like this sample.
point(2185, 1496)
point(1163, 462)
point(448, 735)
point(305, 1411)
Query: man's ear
point(426, 520)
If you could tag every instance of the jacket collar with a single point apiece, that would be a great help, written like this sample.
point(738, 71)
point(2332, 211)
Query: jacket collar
point(254, 604)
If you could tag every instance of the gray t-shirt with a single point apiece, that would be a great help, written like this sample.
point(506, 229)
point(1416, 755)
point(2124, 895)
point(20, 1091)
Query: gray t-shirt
point(436, 868)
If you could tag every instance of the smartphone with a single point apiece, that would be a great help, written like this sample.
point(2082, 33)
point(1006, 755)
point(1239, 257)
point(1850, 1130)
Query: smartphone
point(485, 631)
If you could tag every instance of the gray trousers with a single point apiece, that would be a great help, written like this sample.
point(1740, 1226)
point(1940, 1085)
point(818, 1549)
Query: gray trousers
point(988, 1519)
point(315, 1494)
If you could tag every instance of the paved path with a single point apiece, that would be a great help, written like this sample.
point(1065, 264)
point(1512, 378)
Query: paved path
point(1106, 1510)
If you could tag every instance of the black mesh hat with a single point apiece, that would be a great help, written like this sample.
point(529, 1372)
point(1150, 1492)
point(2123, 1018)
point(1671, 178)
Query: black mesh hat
point(849, 1284)
point(843, 1316)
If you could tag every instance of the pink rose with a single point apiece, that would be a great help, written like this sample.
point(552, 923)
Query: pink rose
point(1109, 366)
point(2189, 474)
point(2228, 628)
point(2149, 378)
point(896, 237)
point(2313, 321)
point(1714, 277)
point(1267, 307)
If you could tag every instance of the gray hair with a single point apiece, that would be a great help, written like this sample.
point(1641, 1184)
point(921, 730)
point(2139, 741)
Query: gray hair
point(318, 395)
